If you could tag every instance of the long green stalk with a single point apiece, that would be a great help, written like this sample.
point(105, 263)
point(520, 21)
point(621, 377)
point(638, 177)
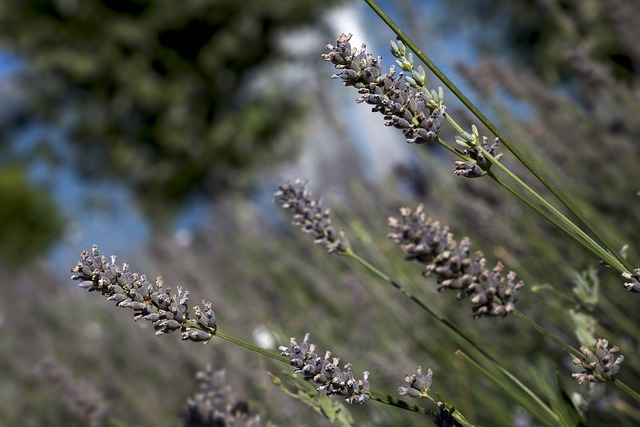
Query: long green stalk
point(522, 402)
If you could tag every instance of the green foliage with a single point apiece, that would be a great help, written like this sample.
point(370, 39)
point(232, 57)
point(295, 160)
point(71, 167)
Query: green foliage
point(545, 36)
point(168, 98)
point(30, 222)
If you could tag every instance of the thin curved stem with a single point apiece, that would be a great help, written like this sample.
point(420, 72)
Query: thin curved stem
point(574, 352)
point(253, 347)
point(622, 386)
point(497, 383)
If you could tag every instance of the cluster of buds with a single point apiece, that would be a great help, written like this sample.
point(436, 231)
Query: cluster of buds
point(427, 242)
point(481, 164)
point(419, 384)
point(405, 105)
point(309, 215)
point(326, 372)
point(153, 302)
point(600, 363)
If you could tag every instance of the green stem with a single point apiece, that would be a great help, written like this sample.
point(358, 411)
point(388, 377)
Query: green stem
point(574, 352)
point(583, 239)
point(559, 220)
point(453, 328)
point(455, 124)
point(503, 139)
point(252, 347)
point(627, 389)
point(537, 208)
point(525, 404)
point(398, 403)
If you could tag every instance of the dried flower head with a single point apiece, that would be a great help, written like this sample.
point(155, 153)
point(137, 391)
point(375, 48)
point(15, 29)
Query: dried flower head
point(634, 281)
point(419, 384)
point(426, 241)
point(153, 302)
point(326, 372)
point(600, 364)
point(417, 112)
point(309, 215)
point(216, 404)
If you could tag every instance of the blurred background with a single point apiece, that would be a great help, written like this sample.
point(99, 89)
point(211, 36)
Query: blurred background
point(159, 131)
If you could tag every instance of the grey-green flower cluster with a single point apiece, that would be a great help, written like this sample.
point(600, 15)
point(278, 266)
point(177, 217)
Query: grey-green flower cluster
point(426, 241)
point(600, 362)
point(417, 113)
point(326, 372)
point(309, 215)
point(419, 384)
point(168, 312)
point(216, 405)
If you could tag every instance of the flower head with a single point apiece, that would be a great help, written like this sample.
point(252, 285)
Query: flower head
point(326, 371)
point(600, 363)
point(416, 111)
point(309, 215)
point(455, 268)
point(419, 384)
point(167, 311)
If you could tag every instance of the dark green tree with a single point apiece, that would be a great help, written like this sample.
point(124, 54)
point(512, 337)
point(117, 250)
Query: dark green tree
point(29, 219)
point(165, 96)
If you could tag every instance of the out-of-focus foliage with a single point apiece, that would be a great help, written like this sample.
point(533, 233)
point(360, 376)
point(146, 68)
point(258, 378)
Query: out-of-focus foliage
point(544, 36)
point(166, 96)
point(29, 219)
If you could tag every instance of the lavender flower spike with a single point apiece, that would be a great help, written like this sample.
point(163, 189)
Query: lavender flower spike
point(166, 311)
point(309, 215)
point(416, 112)
point(426, 241)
